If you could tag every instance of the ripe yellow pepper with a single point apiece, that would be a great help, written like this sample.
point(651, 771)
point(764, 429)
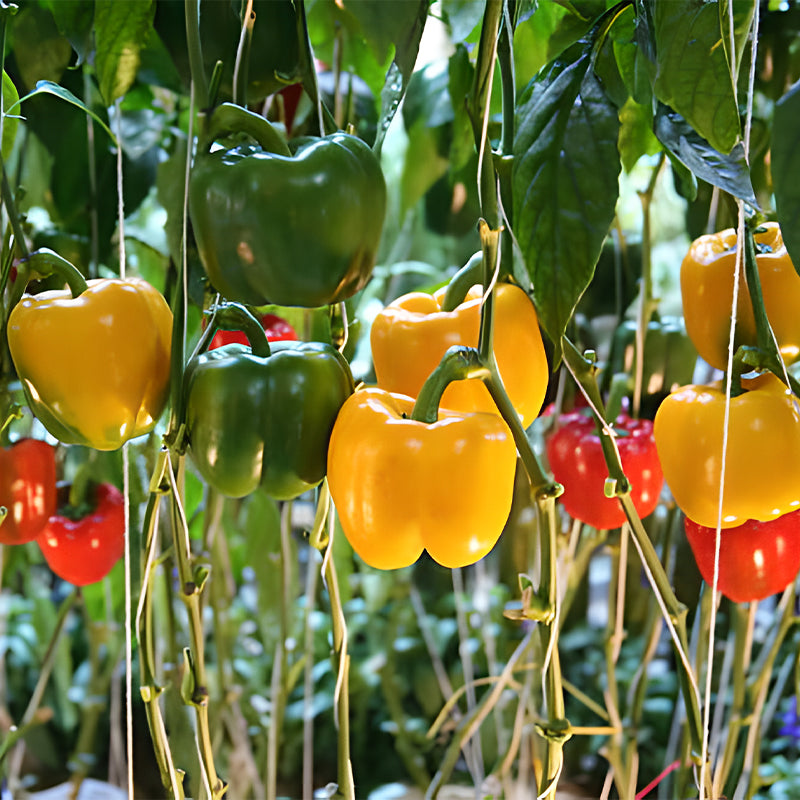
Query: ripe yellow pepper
point(707, 280)
point(410, 336)
point(401, 486)
point(95, 368)
point(762, 468)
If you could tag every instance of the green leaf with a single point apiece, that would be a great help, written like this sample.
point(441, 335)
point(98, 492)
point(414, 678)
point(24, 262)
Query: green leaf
point(75, 21)
point(407, 25)
point(542, 36)
point(729, 172)
point(565, 184)
point(10, 123)
point(121, 31)
point(40, 51)
point(48, 87)
point(636, 137)
point(742, 19)
point(692, 70)
point(462, 17)
point(786, 169)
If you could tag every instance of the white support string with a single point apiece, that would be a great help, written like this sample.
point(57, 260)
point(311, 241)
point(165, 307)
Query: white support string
point(126, 488)
point(728, 379)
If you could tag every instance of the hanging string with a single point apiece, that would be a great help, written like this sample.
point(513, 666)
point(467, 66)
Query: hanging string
point(125, 488)
point(728, 379)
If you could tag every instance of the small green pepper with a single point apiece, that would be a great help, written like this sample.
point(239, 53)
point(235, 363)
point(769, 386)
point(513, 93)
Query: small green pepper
point(293, 227)
point(263, 415)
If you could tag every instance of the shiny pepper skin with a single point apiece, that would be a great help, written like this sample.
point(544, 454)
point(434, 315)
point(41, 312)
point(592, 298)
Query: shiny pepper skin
point(762, 467)
point(27, 489)
point(410, 336)
point(95, 368)
point(707, 281)
point(264, 420)
point(300, 228)
point(401, 486)
point(83, 551)
point(756, 559)
point(576, 459)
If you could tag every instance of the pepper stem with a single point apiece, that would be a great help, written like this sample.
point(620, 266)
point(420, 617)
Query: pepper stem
point(228, 119)
point(457, 364)
point(47, 262)
point(235, 317)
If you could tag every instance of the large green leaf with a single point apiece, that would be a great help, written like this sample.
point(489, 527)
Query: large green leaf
point(692, 70)
point(75, 20)
point(121, 31)
point(727, 171)
point(565, 184)
point(786, 169)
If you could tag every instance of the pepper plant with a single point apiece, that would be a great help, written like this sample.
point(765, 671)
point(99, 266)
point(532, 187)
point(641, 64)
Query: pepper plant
point(505, 498)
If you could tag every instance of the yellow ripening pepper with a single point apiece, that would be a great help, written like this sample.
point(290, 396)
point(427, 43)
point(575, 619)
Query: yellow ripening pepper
point(410, 336)
point(707, 281)
point(762, 467)
point(95, 367)
point(401, 486)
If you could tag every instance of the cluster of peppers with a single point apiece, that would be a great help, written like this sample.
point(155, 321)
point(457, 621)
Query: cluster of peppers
point(758, 509)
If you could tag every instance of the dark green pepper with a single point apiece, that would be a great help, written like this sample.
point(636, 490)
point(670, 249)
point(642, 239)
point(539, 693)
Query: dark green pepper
point(294, 227)
point(669, 357)
point(263, 416)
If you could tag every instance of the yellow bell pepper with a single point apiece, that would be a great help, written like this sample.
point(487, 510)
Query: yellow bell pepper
point(401, 486)
point(707, 279)
point(410, 336)
point(95, 368)
point(762, 468)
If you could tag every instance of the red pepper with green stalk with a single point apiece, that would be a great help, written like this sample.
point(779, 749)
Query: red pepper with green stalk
point(81, 544)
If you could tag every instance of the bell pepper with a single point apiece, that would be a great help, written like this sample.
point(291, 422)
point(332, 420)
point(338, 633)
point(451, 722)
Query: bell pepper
point(263, 415)
point(756, 559)
point(411, 334)
point(81, 545)
point(575, 454)
point(27, 489)
point(762, 468)
point(707, 281)
point(401, 486)
point(94, 359)
point(670, 356)
point(297, 227)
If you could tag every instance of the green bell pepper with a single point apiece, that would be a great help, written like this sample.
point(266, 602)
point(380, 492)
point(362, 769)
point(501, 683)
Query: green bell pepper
point(262, 415)
point(669, 357)
point(292, 227)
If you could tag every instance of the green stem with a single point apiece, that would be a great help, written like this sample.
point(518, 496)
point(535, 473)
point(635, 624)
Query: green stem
point(196, 67)
point(235, 317)
point(9, 202)
point(228, 119)
point(45, 262)
point(489, 243)
point(460, 284)
point(647, 305)
point(171, 778)
point(618, 485)
point(478, 105)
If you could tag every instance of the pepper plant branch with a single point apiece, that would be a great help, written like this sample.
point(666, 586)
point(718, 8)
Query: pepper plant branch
point(192, 580)
point(242, 63)
point(195, 49)
point(675, 612)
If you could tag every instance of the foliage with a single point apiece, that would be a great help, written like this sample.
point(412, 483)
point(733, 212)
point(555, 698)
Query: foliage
point(594, 140)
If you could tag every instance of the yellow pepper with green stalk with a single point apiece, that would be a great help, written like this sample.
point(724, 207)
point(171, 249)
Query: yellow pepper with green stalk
point(402, 485)
point(410, 336)
point(94, 359)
